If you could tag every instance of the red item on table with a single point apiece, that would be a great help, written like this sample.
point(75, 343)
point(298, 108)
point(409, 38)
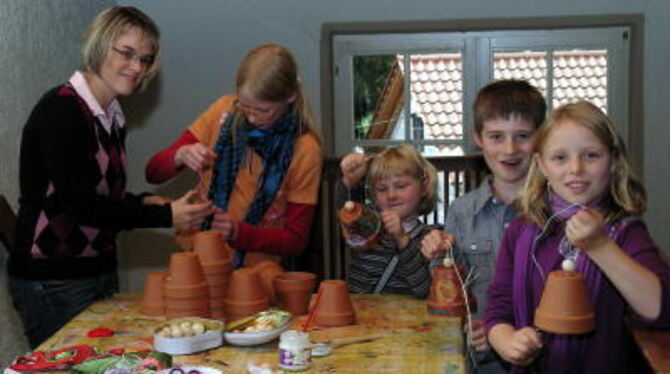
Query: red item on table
point(57, 360)
point(100, 332)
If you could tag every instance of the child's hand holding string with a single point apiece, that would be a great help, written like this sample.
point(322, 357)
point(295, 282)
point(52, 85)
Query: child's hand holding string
point(194, 156)
point(477, 339)
point(393, 225)
point(435, 243)
point(519, 347)
point(585, 230)
point(354, 166)
point(225, 224)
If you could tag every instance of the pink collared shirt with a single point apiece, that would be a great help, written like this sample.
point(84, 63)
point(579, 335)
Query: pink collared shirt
point(111, 115)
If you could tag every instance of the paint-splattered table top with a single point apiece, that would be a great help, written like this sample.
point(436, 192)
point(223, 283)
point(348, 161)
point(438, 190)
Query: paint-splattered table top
point(412, 340)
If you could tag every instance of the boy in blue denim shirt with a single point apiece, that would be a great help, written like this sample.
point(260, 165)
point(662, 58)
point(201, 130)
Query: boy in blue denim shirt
point(507, 114)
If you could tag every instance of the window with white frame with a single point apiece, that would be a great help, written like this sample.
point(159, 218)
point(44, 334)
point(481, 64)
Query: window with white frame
point(419, 87)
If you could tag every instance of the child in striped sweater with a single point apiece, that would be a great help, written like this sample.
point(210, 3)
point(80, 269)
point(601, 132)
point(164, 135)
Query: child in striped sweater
point(403, 187)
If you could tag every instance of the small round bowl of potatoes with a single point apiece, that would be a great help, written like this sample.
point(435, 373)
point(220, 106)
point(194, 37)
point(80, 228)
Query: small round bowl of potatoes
point(188, 335)
point(259, 328)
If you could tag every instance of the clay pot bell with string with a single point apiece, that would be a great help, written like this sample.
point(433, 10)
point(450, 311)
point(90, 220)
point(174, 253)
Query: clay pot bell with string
point(448, 292)
point(360, 224)
point(565, 307)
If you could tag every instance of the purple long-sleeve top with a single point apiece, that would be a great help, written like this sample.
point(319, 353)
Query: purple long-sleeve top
point(610, 348)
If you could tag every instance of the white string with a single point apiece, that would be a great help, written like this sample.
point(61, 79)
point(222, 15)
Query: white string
point(544, 230)
point(450, 254)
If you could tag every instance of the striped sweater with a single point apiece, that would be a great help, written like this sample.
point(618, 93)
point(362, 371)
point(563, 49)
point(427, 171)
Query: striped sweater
point(411, 275)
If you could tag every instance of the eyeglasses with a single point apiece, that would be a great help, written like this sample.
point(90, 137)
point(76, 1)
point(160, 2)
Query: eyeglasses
point(250, 109)
point(129, 56)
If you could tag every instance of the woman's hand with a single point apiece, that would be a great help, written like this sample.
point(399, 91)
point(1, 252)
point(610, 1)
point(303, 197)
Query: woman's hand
point(155, 200)
point(393, 225)
point(225, 224)
point(435, 243)
point(354, 166)
point(188, 215)
point(195, 156)
point(585, 230)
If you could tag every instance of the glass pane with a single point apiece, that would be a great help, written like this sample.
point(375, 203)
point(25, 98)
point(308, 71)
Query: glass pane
point(527, 65)
point(436, 106)
point(580, 75)
point(378, 88)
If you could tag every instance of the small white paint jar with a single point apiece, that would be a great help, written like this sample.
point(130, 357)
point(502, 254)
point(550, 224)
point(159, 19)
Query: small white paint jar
point(295, 350)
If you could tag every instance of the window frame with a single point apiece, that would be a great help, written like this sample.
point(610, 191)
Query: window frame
point(477, 50)
point(635, 22)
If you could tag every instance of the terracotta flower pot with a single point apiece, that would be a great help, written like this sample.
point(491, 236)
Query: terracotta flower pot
point(204, 313)
point(187, 304)
point(565, 307)
point(153, 303)
point(185, 269)
point(210, 247)
point(334, 307)
point(217, 268)
point(218, 314)
point(245, 285)
point(267, 271)
point(235, 310)
point(294, 291)
point(184, 292)
point(446, 294)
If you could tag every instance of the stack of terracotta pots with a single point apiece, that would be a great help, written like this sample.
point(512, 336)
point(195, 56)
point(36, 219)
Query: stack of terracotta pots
point(246, 295)
point(268, 270)
point(153, 301)
point(216, 261)
point(186, 291)
point(334, 306)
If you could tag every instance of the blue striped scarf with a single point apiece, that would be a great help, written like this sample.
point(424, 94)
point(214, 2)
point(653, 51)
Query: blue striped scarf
point(275, 147)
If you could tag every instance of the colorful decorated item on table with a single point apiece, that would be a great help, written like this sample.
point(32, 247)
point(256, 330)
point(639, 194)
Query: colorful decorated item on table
point(61, 359)
point(128, 363)
point(83, 359)
point(361, 225)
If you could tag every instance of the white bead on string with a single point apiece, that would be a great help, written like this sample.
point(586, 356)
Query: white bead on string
point(569, 265)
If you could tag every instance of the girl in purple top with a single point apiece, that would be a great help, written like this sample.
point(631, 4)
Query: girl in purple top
point(581, 201)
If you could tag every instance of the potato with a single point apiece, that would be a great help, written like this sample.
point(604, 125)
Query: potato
point(198, 328)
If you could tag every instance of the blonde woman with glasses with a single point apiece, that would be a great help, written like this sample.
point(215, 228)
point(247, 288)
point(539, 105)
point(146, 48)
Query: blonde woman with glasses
point(73, 179)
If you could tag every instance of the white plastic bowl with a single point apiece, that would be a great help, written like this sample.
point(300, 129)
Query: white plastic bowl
point(191, 344)
point(256, 338)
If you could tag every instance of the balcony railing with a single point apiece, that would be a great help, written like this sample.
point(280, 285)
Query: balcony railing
point(326, 254)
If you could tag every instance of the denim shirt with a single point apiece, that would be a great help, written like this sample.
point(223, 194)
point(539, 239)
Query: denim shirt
point(477, 220)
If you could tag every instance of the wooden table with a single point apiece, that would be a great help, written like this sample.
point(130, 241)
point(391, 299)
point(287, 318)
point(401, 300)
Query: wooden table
point(655, 345)
point(414, 341)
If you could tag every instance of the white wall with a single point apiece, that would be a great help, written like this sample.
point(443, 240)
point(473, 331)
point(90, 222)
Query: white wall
point(204, 41)
point(40, 43)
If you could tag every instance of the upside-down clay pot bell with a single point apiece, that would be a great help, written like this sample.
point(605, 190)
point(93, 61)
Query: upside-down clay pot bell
point(360, 225)
point(565, 307)
point(446, 292)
